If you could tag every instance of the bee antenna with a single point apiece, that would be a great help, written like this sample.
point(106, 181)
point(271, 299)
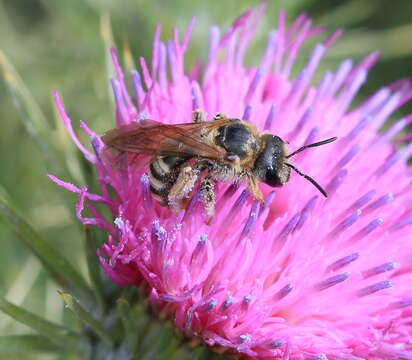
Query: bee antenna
point(323, 142)
point(307, 177)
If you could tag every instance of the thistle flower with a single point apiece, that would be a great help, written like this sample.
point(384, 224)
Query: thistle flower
point(301, 277)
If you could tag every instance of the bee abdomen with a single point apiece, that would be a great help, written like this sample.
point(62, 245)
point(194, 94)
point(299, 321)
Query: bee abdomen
point(163, 173)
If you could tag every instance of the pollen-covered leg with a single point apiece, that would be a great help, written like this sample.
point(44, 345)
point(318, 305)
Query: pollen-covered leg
point(198, 116)
point(255, 189)
point(208, 195)
point(182, 188)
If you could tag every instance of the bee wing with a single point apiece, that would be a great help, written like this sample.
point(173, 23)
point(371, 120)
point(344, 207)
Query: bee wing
point(153, 138)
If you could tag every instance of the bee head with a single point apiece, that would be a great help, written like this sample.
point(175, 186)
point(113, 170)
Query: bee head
point(270, 165)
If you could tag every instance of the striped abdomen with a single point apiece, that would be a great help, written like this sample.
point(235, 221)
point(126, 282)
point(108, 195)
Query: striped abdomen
point(163, 173)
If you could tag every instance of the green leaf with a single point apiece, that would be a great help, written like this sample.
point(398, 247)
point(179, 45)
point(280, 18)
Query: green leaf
point(199, 353)
point(169, 343)
point(107, 37)
point(59, 335)
point(26, 343)
point(60, 269)
point(93, 265)
point(203, 352)
point(127, 316)
point(86, 318)
point(33, 118)
point(159, 341)
point(129, 322)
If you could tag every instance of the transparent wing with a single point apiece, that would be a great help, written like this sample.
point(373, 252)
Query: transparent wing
point(149, 137)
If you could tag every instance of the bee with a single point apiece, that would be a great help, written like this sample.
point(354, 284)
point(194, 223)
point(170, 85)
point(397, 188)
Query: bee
point(224, 149)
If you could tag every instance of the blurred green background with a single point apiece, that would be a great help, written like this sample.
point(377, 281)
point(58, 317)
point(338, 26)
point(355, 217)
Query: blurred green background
point(59, 45)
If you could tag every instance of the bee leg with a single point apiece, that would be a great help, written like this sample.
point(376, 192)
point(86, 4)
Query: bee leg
point(180, 192)
point(255, 189)
point(219, 116)
point(208, 195)
point(198, 116)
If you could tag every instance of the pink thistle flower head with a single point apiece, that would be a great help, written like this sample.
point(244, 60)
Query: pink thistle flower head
point(301, 277)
